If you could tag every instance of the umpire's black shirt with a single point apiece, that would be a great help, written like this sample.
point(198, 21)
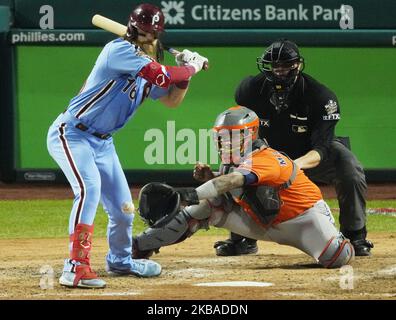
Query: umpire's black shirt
point(307, 124)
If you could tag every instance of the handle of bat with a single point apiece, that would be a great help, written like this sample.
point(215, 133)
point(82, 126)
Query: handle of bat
point(172, 51)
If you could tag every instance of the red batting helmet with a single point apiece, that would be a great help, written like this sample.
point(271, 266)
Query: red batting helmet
point(147, 17)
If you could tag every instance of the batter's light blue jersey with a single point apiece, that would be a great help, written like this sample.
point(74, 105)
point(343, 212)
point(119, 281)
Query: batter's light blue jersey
point(113, 92)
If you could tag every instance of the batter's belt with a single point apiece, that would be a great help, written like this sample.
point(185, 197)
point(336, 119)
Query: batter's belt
point(83, 127)
point(73, 121)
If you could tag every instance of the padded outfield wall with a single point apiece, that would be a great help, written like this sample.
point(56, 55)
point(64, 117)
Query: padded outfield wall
point(367, 100)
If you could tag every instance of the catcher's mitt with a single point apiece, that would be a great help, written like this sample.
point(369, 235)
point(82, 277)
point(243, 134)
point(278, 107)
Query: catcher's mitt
point(158, 204)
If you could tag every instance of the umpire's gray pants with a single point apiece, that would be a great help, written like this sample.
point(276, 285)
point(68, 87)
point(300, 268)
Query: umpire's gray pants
point(343, 169)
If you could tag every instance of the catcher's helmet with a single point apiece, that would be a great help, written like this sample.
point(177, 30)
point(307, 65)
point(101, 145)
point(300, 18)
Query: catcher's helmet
point(235, 130)
point(148, 18)
point(158, 204)
point(281, 64)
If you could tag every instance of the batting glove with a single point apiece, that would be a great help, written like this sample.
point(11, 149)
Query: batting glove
point(194, 59)
point(183, 57)
point(197, 61)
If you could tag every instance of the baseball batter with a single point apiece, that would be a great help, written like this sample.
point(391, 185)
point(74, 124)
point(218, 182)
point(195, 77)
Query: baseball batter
point(263, 196)
point(127, 71)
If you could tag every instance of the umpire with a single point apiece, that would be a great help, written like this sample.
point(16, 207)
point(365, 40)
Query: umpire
point(298, 116)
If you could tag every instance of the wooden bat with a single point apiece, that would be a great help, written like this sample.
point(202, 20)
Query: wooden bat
point(109, 25)
point(120, 30)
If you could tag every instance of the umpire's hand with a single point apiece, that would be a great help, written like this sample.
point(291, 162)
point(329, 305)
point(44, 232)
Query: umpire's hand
point(203, 172)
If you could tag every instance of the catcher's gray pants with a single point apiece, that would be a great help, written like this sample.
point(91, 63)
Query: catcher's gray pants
point(344, 170)
point(310, 232)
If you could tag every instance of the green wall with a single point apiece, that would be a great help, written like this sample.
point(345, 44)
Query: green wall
point(363, 79)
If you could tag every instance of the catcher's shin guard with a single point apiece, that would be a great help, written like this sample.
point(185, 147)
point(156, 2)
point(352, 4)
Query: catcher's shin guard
point(337, 253)
point(77, 271)
point(183, 225)
point(154, 238)
point(177, 230)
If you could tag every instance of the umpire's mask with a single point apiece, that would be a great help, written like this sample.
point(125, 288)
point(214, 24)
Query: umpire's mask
point(281, 63)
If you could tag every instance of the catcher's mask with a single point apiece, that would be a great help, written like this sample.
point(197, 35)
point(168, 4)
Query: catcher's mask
point(281, 64)
point(158, 204)
point(146, 22)
point(235, 131)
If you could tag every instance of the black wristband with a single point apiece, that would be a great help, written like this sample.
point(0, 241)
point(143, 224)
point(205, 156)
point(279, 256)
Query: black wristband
point(188, 195)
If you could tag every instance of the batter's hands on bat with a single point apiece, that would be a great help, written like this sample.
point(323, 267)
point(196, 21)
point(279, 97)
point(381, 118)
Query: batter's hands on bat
point(183, 57)
point(203, 172)
point(187, 57)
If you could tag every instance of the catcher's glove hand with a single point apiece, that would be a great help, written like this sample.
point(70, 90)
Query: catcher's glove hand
point(188, 195)
point(203, 172)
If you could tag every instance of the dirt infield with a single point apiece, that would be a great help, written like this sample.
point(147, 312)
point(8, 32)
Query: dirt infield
point(49, 191)
point(292, 274)
point(30, 268)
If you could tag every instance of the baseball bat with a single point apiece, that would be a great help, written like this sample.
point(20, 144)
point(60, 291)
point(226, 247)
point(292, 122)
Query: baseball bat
point(120, 30)
point(109, 25)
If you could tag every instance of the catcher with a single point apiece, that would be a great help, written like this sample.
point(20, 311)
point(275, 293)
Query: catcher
point(260, 193)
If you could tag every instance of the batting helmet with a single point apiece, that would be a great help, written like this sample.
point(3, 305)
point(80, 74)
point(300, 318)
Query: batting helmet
point(158, 204)
point(235, 130)
point(148, 18)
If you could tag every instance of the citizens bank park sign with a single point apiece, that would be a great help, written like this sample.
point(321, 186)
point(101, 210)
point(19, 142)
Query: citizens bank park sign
point(217, 14)
point(277, 14)
point(216, 22)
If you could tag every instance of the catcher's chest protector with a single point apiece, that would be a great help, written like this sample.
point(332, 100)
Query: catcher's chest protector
point(262, 202)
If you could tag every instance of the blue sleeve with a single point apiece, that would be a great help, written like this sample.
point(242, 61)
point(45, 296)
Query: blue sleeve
point(124, 58)
point(250, 177)
point(157, 92)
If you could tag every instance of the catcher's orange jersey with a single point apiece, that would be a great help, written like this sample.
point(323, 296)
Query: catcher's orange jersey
point(272, 168)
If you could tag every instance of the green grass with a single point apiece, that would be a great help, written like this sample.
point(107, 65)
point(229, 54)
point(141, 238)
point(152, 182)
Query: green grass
point(49, 219)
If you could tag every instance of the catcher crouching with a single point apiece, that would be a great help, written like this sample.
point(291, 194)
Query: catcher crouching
point(259, 193)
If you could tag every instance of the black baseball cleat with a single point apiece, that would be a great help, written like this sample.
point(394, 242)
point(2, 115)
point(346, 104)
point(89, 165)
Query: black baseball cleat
point(362, 247)
point(358, 240)
point(238, 247)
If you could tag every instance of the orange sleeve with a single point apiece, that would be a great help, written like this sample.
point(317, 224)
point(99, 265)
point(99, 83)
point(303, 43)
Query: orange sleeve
point(265, 167)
